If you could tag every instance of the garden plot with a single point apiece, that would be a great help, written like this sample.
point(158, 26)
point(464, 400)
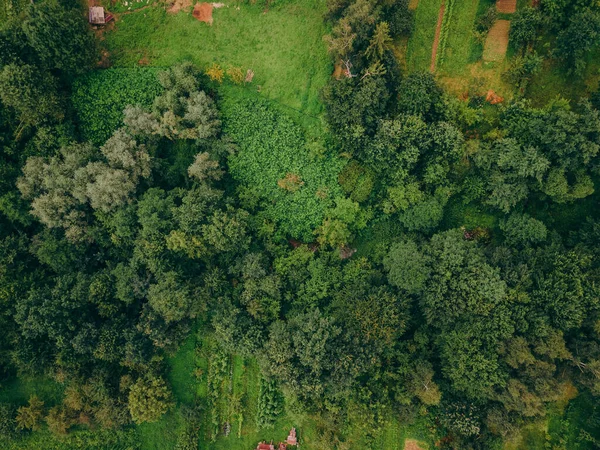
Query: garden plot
point(496, 43)
point(506, 6)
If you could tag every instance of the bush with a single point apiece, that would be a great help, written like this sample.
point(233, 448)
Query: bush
point(269, 403)
point(356, 181)
point(100, 97)
point(271, 147)
point(400, 18)
point(524, 26)
point(485, 21)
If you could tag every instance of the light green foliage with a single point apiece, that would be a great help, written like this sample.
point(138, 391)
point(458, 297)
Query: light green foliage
point(204, 168)
point(421, 40)
point(60, 187)
point(100, 97)
point(341, 222)
point(246, 38)
point(522, 229)
point(407, 267)
point(380, 42)
point(182, 111)
point(270, 146)
point(149, 399)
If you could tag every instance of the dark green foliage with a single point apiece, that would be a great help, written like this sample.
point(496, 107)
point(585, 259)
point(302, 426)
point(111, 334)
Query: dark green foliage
point(580, 36)
point(270, 403)
point(33, 95)
point(60, 37)
point(400, 18)
point(100, 97)
point(420, 95)
point(524, 26)
point(354, 109)
point(415, 298)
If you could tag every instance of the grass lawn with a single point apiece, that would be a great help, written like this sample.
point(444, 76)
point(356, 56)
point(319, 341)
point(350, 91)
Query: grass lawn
point(421, 42)
point(460, 36)
point(18, 390)
point(284, 46)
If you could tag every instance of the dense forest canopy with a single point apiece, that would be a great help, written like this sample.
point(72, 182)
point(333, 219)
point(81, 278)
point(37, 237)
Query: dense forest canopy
point(419, 255)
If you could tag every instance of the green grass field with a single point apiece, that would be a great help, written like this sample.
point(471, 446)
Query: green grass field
point(420, 43)
point(284, 46)
point(457, 56)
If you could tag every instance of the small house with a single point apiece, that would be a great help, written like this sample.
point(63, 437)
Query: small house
point(264, 446)
point(97, 16)
point(292, 439)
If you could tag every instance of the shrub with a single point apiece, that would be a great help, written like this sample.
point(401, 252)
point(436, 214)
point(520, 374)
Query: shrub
point(236, 75)
point(215, 73)
point(356, 181)
point(401, 18)
point(269, 403)
point(100, 97)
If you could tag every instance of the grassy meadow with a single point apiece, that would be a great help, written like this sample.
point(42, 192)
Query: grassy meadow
point(418, 57)
point(283, 46)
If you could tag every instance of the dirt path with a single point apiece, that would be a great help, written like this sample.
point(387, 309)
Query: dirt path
point(436, 39)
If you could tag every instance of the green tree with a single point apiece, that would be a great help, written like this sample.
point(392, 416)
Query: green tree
point(407, 267)
point(149, 398)
point(380, 42)
point(170, 297)
point(524, 26)
point(31, 93)
point(523, 230)
point(29, 417)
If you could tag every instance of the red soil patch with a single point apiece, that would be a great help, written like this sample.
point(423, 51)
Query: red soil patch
point(493, 98)
point(178, 5)
point(203, 12)
point(411, 444)
point(506, 6)
point(436, 40)
point(496, 43)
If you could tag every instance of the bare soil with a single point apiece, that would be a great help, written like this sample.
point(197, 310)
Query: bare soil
point(436, 39)
point(411, 444)
point(203, 12)
point(337, 70)
point(412, 4)
point(496, 43)
point(506, 6)
point(178, 5)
